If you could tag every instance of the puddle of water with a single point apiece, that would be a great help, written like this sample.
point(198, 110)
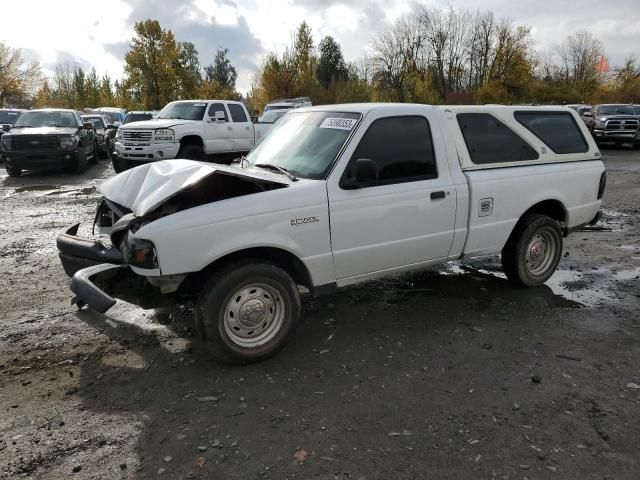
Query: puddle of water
point(632, 274)
point(572, 285)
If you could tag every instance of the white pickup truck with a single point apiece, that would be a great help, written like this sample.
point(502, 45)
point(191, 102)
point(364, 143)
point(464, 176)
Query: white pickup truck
point(336, 195)
point(188, 129)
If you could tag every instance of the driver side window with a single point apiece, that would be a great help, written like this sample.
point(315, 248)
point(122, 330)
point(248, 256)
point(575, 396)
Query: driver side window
point(218, 107)
point(398, 150)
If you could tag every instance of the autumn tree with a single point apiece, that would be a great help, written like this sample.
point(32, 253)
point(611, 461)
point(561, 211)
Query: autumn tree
point(18, 78)
point(150, 64)
point(187, 69)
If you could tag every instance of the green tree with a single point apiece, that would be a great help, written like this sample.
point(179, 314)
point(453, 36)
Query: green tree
point(331, 66)
point(106, 93)
point(78, 87)
point(221, 70)
point(92, 89)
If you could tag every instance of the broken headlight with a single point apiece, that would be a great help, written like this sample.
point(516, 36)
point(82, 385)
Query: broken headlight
point(139, 252)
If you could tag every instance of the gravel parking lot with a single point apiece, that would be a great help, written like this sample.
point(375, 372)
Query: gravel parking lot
point(445, 374)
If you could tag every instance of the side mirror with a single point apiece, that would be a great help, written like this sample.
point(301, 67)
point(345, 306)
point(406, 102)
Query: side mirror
point(112, 127)
point(364, 171)
point(117, 123)
point(6, 128)
point(87, 126)
point(219, 116)
point(587, 114)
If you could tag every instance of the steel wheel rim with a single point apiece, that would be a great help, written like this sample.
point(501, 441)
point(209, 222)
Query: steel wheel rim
point(253, 315)
point(541, 252)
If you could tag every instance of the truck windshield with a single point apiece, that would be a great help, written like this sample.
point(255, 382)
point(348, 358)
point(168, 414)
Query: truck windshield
point(46, 119)
point(183, 111)
point(8, 117)
point(616, 110)
point(137, 117)
point(305, 143)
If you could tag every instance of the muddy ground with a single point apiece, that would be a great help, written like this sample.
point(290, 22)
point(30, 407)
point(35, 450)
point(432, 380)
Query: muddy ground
point(448, 374)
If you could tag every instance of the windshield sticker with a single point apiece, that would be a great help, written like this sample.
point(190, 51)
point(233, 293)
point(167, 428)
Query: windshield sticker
point(339, 123)
point(199, 104)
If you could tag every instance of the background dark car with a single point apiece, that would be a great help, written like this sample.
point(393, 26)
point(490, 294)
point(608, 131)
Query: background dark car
point(8, 116)
point(105, 132)
point(137, 117)
point(47, 139)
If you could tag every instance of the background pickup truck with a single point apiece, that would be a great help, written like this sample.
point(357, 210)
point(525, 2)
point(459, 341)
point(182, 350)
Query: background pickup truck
point(356, 192)
point(190, 129)
point(614, 123)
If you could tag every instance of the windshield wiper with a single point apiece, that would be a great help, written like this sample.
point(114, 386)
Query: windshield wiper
point(241, 160)
point(284, 171)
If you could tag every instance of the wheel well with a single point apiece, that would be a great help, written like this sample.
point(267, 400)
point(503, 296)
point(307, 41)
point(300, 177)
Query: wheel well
point(551, 208)
point(192, 140)
point(279, 257)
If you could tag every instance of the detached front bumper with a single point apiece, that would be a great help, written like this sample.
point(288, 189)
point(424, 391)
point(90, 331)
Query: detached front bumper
point(99, 275)
point(77, 253)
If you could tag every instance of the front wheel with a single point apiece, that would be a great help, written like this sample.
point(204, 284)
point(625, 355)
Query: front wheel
point(192, 152)
point(120, 164)
point(14, 171)
point(81, 161)
point(248, 312)
point(533, 251)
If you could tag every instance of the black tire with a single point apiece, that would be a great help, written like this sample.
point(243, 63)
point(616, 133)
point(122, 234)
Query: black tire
point(244, 287)
point(81, 162)
point(120, 164)
point(534, 236)
point(14, 171)
point(95, 153)
point(107, 151)
point(635, 146)
point(192, 152)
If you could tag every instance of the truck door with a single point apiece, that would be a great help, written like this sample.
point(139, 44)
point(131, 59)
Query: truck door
point(391, 197)
point(219, 136)
point(243, 134)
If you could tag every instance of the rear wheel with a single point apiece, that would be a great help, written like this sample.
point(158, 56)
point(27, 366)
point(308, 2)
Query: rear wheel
point(107, 153)
point(192, 152)
point(14, 171)
point(247, 312)
point(94, 153)
point(533, 251)
point(81, 162)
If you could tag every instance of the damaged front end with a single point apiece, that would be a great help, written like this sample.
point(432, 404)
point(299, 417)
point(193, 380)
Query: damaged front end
point(130, 201)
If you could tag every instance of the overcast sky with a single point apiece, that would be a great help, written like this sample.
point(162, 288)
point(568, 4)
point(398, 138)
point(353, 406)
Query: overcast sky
point(97, 33)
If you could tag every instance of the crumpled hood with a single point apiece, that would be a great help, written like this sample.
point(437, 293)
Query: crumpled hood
point(157, 123)
point(145, 187)
point(43, 131)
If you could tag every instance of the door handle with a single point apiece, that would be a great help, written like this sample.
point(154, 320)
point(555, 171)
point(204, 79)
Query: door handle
point(438, 195)
point(228, 128)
